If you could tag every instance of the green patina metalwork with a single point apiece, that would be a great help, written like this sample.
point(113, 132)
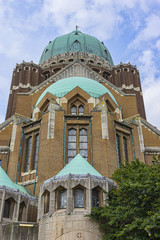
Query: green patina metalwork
point(64, 86)
point(78, 165)
point(6, 181)
point(75, 41)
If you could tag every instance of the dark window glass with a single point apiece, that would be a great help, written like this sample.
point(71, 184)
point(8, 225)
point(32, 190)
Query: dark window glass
point(83, 145)
point(28, 154)
point(6, 209)
point(36, 151)
point(118, 148)
point(9, 208)
point(62, 199)
point(125, 148)
point(95, 198)
point(22, 209)
point(73, 110)
point(81, 110)
point(79, 198)
point(71, 144)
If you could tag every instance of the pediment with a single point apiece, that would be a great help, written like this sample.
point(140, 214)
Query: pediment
point(75, 69)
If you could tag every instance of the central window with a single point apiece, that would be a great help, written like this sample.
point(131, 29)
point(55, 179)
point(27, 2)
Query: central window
point(77, 143)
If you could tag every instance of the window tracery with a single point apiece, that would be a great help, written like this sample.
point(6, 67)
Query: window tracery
point(77, 143)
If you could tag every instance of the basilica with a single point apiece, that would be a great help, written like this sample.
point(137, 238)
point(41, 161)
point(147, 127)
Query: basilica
point(71, 120)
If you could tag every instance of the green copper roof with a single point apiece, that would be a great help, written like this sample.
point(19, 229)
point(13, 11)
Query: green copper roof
point(78, 165)
point(64, 86)
point(75, 41)
point(6, 181)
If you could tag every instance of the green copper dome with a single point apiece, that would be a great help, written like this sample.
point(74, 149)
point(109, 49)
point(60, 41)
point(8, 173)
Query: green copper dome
point(64, 86)
point(75, 41)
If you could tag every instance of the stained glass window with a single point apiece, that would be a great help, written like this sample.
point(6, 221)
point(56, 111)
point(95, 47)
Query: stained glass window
point(83, 145)
point(118, 148)
point(73, 110)
point(79, 198)
point(35, 160)
point(62, 199)
point(95, 198)
point(28, 154)
point(81, 110)
point(125, 148)
point(71, 143)
point(46, 201)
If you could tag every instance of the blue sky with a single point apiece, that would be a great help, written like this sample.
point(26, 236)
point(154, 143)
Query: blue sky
point(129, 28)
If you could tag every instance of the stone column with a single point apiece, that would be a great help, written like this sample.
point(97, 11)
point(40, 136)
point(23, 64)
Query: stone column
point(69, 197)
point(40, 205)
point(89, 195)
point(16, 208)
point(52, 202)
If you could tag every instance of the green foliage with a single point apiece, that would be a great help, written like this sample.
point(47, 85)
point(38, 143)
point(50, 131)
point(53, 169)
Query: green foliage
point(133, 208)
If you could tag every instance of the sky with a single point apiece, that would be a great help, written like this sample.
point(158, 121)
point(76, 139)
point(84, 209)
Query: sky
point(130, 29)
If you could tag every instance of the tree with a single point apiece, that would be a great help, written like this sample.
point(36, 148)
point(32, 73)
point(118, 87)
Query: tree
point(133, 208)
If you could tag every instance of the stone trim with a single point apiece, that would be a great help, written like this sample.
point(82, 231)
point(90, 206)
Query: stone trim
point(28, 85)
point(130, 87)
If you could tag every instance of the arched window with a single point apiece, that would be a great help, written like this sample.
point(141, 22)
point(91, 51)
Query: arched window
point(79, 198)
point(73, 110)
point(62, 199)
point(9, 208)
point(125, 149)
point(46, 196)
point(71, 143)
point(36, 146)
point(83, 145)
point(28, 154)
point(81, 110)
point(118, 149)
point(22, 211)
point(95, 197)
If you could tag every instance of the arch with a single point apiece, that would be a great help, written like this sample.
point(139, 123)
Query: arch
point(61, 61)
point(90, 61)
point(9, 208)
point(79, 197)
point(46, 74)
point(73, 110)
point(22, 211)
point(81, 110)
point(97, 196)
point(46, 200)
point(96, 70)
point(56, 70)
point(61, 198)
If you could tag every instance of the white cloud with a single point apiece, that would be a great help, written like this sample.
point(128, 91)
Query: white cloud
point(150, 32)
point(151, 100)
point(150, 86)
